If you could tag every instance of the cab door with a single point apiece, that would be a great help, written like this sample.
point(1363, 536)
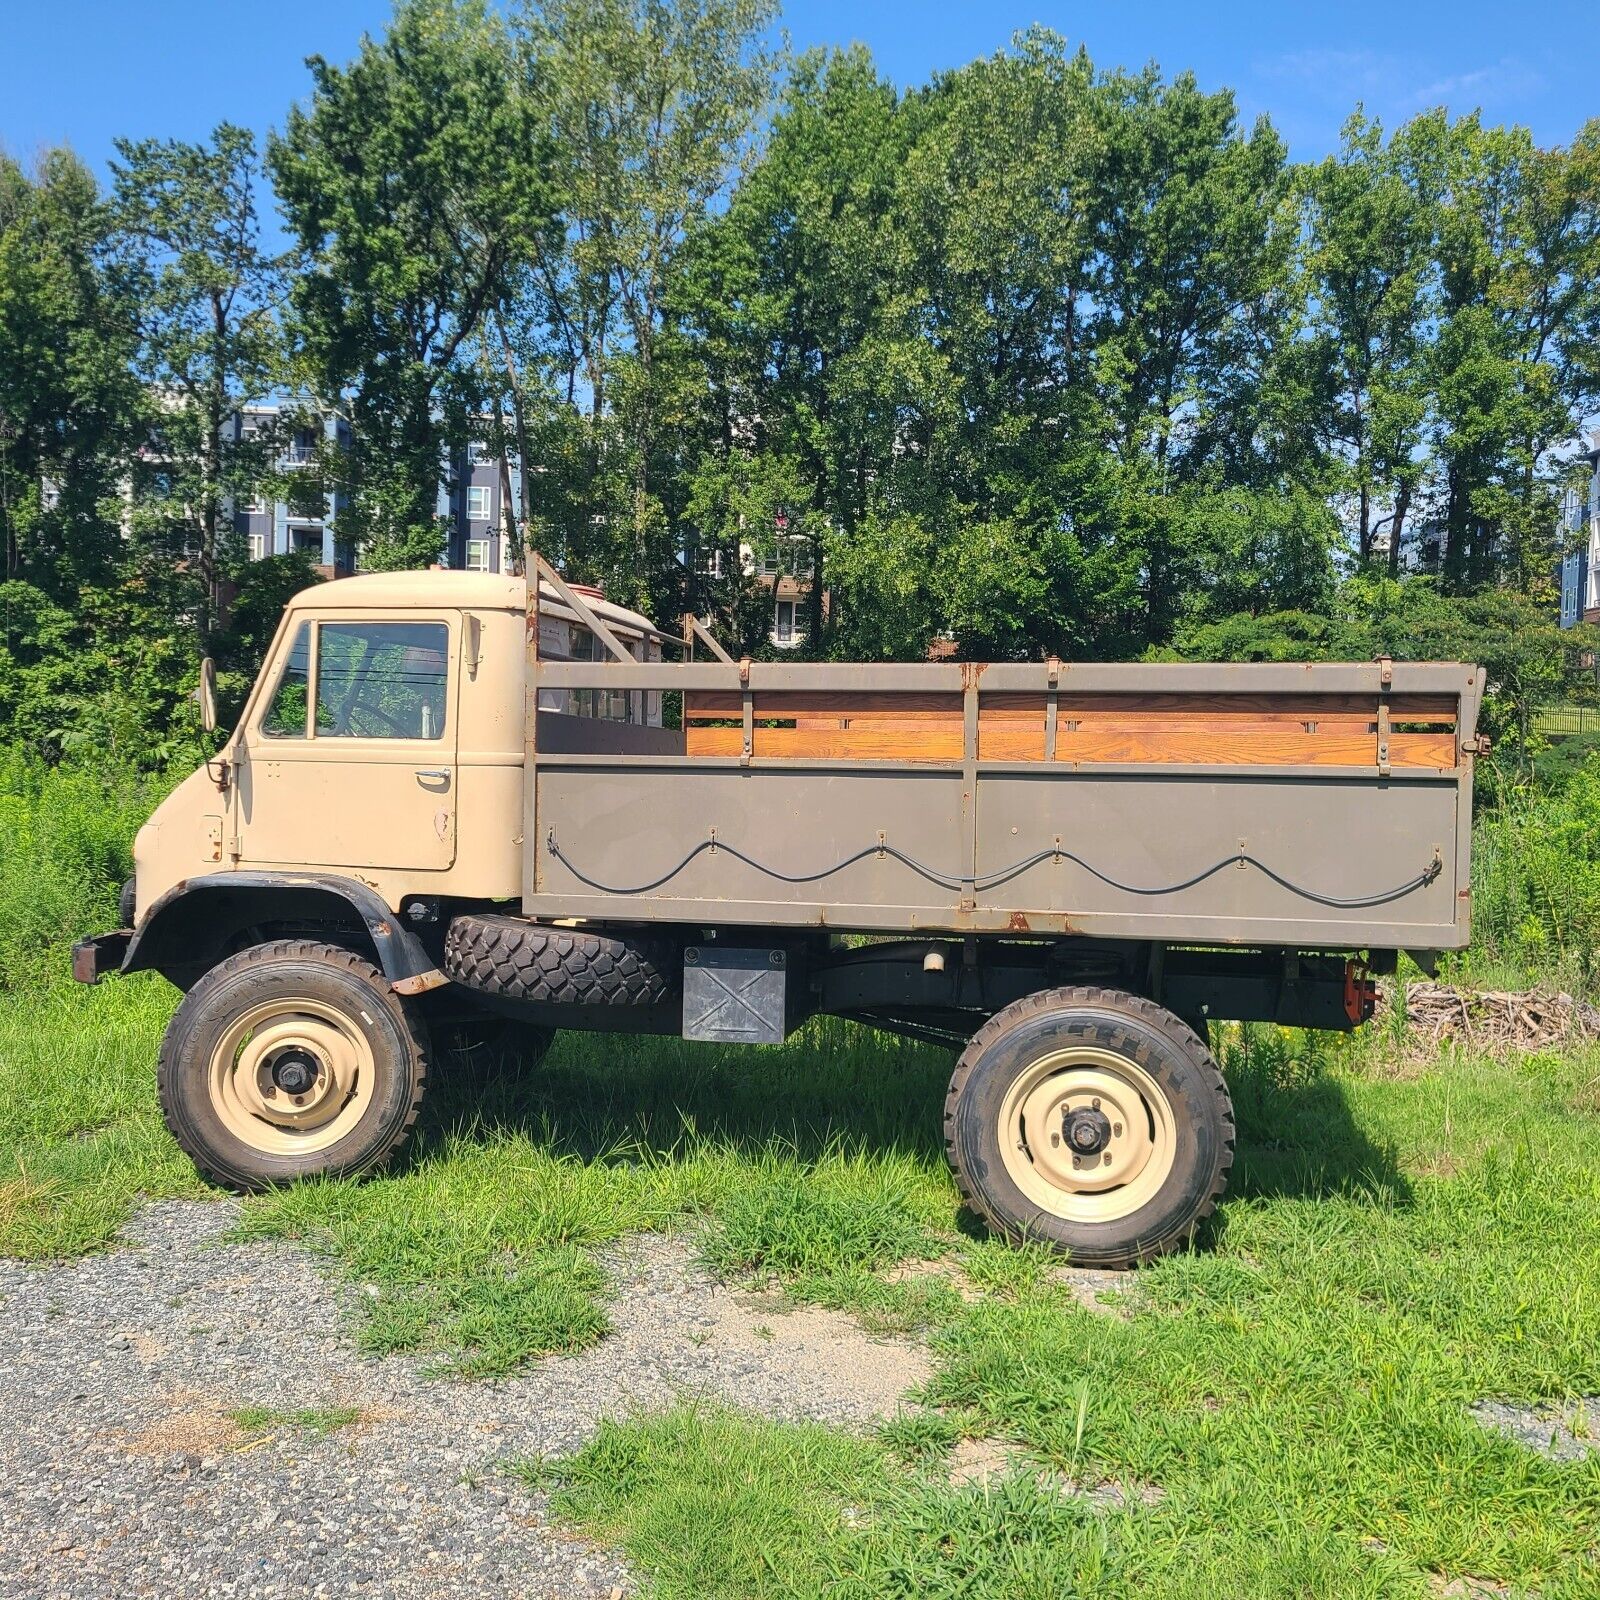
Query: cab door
point(351, 755)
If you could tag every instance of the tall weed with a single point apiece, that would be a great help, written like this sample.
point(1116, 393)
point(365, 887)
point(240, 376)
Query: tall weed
point(1536, 882)
point(66, 838)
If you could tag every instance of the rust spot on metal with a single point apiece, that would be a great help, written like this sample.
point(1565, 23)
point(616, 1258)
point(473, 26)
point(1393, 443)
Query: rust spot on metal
point(382, 929)
point(1018, 923)
point(971, 671)
point(424, 981)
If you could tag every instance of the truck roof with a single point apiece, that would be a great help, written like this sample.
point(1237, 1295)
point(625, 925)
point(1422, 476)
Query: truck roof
point(484, 591)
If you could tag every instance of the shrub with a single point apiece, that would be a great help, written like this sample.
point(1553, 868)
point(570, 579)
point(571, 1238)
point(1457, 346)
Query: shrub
point(66, 837)
point(1536, 879)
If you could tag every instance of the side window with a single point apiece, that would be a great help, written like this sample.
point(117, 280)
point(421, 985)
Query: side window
point(285, 716)
point(382, 680)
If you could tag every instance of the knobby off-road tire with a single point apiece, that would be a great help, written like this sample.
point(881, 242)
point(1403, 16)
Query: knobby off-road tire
point(290, 1060)
point(520, 960)
point(1091, 1120)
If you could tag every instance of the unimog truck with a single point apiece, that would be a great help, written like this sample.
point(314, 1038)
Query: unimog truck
point(458, 802)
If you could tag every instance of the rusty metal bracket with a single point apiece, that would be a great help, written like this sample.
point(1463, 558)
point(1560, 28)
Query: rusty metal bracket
point(1051, 704)
point(748, 707)
point(1385, 684)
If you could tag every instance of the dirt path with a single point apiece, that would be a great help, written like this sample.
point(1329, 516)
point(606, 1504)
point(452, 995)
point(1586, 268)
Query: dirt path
point(123, 1473)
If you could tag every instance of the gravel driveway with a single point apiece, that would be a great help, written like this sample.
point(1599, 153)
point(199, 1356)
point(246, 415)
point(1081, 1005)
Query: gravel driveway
point(122, 1473)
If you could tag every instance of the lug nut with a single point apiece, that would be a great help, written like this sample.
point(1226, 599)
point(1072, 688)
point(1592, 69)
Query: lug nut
point(1055, 1138)
point(1108, 1158)
point(1116, 1130)
point(1077, 1161)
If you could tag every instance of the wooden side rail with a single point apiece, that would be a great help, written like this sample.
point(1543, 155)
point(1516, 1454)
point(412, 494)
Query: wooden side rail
point(1418, 731)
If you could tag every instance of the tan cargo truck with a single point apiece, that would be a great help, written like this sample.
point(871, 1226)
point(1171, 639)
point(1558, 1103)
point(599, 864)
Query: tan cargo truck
point(455, 802)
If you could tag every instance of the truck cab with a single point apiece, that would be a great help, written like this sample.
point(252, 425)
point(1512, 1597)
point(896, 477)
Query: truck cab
point(388, 707)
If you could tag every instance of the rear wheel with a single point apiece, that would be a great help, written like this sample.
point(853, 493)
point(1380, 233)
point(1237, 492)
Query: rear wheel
point(1091, 1120)
point(292, 1059)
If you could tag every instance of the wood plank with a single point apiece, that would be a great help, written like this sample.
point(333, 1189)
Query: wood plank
point(1433, 751)
point(1430, 750)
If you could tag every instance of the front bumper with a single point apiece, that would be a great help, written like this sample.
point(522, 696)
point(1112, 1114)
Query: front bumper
point(93, 958)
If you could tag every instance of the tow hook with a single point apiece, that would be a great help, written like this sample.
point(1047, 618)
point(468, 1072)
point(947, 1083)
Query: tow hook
point(1360, 993)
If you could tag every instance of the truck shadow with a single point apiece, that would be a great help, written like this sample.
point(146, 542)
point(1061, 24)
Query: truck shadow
point(600, 1097)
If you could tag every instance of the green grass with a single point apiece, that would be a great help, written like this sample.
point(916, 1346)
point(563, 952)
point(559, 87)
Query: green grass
point(317, 1421)
point(1397, 1244)
point(81, 1138)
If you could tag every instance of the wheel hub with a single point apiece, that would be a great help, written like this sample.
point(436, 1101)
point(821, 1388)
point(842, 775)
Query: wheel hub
point(1086, 1129)
point(1087, 1133)
point(292, 1076)
point(294, 1072)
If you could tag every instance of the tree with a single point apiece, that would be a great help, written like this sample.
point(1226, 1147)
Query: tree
point(650, 106)
point(413, 183)
point(209, 341)
point(69, 406)
point(1517, 246)
point(1368, 265)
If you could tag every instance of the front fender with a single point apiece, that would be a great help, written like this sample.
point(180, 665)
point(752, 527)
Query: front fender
point(174, 928)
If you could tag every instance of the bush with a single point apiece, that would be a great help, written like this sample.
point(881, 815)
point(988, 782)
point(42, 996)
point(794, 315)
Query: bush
point(1536, 880)
point(66, 838)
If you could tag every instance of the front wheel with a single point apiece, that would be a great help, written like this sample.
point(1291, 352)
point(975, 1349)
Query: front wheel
point(1091, 1120)
point(290, 1060)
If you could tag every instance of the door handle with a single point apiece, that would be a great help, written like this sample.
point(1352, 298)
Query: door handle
point(440, 773)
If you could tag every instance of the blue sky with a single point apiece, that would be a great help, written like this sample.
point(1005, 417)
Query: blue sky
point(84, 71)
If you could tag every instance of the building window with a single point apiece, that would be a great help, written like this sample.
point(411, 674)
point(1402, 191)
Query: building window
point(710, 563)
point(786, 627)
point(258, 546)
point(477, 555)
point(478, 503)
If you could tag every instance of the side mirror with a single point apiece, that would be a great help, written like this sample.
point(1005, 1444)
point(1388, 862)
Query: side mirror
point(206, 695)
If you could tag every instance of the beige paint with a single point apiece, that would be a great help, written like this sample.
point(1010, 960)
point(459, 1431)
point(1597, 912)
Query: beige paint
point(359, 807)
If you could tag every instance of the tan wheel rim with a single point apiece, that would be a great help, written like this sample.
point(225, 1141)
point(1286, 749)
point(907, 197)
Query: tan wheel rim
point(1087, 1134)
point(291, 1077)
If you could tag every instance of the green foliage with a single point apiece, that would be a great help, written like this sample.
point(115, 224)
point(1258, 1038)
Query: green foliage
point(189, 253)
point(65, 837)
point(1536, 879)
point(414, 182)
point(1513, 636)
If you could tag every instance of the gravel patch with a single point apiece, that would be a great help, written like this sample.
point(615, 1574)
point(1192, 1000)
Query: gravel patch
point(122, 1471)
point(1560, 1433)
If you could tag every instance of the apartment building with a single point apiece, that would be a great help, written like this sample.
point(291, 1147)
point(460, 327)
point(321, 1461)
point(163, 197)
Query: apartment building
point(1580, 539)
point(472, 502)
point(292, 525)
point(783, 568)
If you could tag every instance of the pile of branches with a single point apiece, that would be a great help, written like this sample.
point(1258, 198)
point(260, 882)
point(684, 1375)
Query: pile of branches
point(1495, 1021)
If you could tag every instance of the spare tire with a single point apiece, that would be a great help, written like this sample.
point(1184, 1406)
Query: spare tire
point(521, 960)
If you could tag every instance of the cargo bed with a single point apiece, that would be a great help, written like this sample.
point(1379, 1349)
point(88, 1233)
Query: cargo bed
point(1314, 806)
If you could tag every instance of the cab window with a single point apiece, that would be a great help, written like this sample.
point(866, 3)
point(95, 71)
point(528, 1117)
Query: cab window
point(382, 680)
point(285, 716)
